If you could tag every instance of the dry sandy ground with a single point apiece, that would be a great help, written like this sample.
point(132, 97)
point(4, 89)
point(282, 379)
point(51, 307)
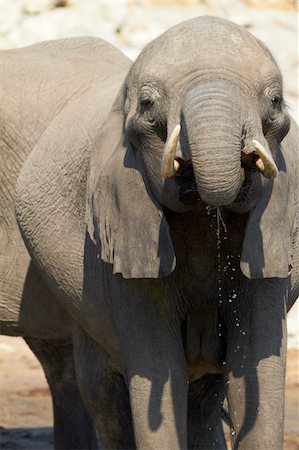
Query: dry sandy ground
point(26, 412)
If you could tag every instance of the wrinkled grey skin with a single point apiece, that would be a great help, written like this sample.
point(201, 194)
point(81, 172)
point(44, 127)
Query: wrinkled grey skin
point(163, 289)
point(37, 83)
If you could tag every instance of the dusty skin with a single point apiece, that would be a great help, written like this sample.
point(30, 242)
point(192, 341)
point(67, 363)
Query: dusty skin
point(26, 411)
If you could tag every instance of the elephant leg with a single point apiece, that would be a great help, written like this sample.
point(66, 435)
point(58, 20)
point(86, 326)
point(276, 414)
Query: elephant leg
point(104, 393)
point(205, 401)
point(255, 368)
point(154, 367)
point(73, 427)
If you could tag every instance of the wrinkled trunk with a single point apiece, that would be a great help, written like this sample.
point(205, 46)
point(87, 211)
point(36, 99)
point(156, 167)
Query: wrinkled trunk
point(213, 121)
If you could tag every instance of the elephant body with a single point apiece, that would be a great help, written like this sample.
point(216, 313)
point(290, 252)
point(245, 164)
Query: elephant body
point(176, 271)
point(36, 84)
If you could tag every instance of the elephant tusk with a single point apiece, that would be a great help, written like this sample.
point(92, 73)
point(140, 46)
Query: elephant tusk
point(169, 165)
point(176, 165)
point(260, 165)
point(265, 162)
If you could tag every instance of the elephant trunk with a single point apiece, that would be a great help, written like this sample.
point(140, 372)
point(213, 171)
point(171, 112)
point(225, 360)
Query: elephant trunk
point(213, 123)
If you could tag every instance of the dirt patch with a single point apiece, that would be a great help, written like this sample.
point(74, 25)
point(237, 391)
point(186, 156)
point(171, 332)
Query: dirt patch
point(26, 409)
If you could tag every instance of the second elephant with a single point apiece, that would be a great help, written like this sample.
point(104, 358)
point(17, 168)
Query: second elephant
point(36, 84)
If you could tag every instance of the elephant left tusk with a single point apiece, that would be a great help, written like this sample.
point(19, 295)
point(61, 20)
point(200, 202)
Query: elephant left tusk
point(169, 165)
point(265, 163)
point(260, 165)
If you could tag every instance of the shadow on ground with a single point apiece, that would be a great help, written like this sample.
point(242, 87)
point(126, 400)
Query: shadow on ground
point(27, 439)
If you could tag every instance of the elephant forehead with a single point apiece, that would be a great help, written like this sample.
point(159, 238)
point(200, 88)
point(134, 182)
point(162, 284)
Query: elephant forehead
point(199, 44)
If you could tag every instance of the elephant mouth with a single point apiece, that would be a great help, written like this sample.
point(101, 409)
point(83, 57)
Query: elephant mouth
point(251, 162)
point(185, 178)
point(188, 193)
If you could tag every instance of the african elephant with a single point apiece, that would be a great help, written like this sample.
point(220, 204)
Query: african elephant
point(36, 84)
point(176, 251)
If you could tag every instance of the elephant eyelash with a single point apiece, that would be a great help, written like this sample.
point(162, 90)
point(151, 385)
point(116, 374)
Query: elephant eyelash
point(286, 105)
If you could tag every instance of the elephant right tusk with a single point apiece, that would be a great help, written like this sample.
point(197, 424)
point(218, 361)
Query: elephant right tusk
point(169, 165)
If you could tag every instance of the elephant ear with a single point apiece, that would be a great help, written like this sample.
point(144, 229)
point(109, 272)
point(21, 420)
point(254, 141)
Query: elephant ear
point(267, 245)
point(124, 220)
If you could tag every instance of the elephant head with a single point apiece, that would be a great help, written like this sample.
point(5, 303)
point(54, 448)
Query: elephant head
point(199, 120)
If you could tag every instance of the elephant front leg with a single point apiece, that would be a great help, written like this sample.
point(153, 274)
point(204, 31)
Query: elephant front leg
point(255, 368)
point(159, 409)
point(154, 368)
point(73, 427)
point(104, 393)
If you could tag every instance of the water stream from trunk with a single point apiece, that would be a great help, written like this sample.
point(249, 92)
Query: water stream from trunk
point(221, 232)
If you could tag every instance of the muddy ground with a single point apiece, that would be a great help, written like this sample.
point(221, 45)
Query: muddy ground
point(26, 411)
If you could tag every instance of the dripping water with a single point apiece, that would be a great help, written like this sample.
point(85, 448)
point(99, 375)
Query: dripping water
point(225, 263)
point(220, 232)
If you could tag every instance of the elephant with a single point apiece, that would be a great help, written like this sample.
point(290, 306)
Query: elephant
point(36, 84)
point(161, 210)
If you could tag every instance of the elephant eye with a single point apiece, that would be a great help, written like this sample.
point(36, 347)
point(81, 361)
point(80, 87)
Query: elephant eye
point(146, 105)
point(276, 101)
